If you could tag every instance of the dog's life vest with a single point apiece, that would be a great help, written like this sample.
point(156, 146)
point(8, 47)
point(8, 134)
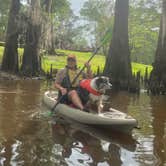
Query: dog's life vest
point(86, 84)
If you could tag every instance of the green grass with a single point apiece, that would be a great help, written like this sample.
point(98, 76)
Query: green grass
point(59, 62)
point(1, 53)
point(140, 67)
point(20, 52)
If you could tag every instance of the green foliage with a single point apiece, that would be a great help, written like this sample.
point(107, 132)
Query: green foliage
point(79, 42)
point(60, 7)
point(66, 35)
point(99, 14)
point(4, 10)
point(144, 21)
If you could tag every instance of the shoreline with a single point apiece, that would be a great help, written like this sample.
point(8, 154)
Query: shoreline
point(4, 76)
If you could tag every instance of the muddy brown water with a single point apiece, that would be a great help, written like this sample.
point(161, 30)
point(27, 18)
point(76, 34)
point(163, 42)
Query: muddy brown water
point(30, 137)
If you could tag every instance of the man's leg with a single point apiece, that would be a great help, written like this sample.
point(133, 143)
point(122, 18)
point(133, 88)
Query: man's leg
point(75, 99)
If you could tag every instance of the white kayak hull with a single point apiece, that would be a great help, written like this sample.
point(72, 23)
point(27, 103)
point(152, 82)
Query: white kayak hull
point(112, 119)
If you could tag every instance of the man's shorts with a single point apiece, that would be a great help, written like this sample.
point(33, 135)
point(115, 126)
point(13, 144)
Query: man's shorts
point(82, 93)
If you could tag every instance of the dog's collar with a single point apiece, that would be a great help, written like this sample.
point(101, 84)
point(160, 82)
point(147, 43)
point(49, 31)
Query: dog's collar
point(94, 92)
point(86, 84)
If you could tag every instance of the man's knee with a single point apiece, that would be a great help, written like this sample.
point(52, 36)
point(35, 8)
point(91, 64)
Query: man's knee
point(72, 93)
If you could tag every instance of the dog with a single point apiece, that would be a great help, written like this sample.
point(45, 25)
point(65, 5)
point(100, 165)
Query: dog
point(100, 85)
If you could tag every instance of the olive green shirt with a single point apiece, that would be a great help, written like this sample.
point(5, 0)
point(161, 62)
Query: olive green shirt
point(72, 74)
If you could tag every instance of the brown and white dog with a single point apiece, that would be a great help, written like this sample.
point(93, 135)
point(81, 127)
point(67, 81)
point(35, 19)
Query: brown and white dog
point(100, 85)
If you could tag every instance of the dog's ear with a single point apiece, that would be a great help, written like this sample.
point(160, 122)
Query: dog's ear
point(99, 80)
point(110, 80)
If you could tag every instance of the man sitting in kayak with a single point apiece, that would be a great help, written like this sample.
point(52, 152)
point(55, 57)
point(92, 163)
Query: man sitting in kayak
point(72, 94)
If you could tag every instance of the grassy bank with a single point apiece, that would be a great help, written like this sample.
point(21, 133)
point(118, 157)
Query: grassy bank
point(99, 60)
point(60, 61)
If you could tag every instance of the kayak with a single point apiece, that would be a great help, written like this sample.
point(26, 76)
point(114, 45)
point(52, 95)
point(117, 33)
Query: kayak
point(111, 119)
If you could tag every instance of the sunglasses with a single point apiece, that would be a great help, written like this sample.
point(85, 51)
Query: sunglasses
point(71, 59)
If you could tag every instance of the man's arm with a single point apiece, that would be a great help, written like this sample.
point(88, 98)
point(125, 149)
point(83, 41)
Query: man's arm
point(58, 80)
point(89, 71)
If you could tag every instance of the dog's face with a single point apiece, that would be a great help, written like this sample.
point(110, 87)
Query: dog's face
point(101, 84)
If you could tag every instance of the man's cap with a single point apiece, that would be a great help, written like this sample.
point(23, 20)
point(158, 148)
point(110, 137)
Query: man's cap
point(71, 56)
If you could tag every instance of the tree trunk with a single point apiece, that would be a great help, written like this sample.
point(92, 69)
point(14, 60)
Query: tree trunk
point(48, 4)
point(51, 47)
point(49, 29)
point(158, 75)
point(10, 56)
point(118, 65)
point(30, 65)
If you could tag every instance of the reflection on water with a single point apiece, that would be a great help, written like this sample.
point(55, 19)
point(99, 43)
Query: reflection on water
point(88, 145)
point(29, 138)
point(159, 127)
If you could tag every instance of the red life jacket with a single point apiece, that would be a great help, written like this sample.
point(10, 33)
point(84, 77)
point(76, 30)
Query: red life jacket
point(86, 85)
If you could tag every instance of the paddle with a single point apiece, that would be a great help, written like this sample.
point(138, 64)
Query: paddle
point(103, 41)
